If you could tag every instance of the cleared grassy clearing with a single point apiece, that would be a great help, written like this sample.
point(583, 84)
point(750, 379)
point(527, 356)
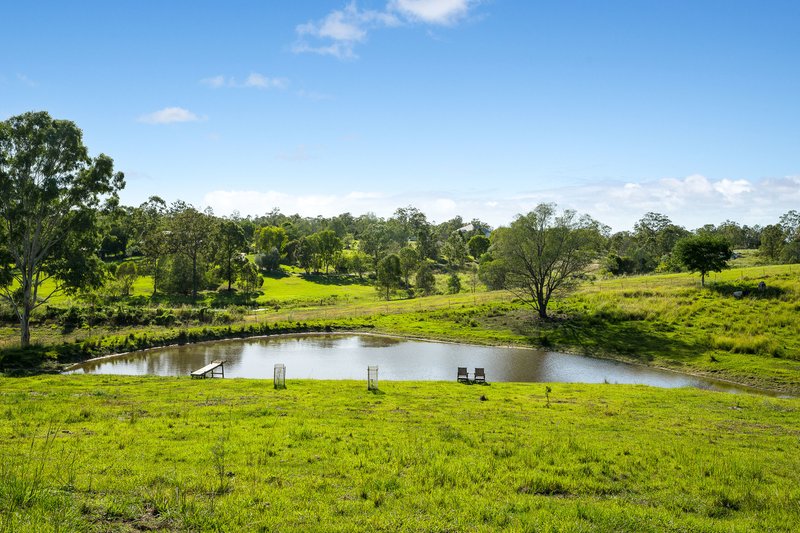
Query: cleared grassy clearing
point(166, 454)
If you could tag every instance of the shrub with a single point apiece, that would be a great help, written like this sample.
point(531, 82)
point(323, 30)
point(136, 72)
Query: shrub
point(453, 284)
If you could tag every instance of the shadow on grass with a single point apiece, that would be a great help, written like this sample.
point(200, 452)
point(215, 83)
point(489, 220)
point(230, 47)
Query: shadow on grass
point(224, 298)
point(748, 289)
point(211, 298)
point(332, 279)
point(276, 274)
point(639, 340)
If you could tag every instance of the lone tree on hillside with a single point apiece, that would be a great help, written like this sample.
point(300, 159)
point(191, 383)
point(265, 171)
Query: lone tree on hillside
point(50, 189)
point(388, 274)
point(544, 253)
point(703, 254)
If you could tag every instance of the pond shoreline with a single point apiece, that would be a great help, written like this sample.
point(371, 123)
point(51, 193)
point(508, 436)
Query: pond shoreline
point(743, 387)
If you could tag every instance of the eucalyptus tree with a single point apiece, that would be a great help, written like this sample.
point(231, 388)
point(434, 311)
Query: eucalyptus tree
point(328, 246)
point(388, 274)
point(306, 252)
point(544, 253)
point(151, 237)
point(248, 278)
point(50, 189)
point(359, 263)
point(455, 250)
point(409, 261)
point(231, 242)
point(425, 280)
point(790, 222)
point(773, 239)
point(190, 237)
point(374, 240)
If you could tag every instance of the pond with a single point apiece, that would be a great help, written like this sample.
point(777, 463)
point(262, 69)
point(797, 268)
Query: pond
point(346, 356)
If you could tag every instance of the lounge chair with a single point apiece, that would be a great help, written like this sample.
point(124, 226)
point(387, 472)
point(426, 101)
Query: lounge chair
point(480, 376)
point(463, 376)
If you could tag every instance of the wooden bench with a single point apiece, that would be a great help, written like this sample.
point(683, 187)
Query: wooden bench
point(211, 370)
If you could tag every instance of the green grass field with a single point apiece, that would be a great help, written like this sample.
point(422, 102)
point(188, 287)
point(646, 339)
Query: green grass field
point(111, 453)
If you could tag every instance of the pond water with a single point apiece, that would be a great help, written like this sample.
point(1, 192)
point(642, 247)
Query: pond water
point(346, 356)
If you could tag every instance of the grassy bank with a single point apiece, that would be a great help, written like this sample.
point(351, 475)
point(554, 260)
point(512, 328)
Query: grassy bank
point(663, 320)
point(110, 453)
point(666, 320)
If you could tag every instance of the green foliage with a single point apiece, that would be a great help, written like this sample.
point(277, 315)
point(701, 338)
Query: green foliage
point(409, 261)
point(190, 238)
point(179, 277)
point(388, 274)
point(544, 253)
point(270, 237)
point(492, 272)
point(269, 261)
point(328, 245)
point(703, 254)
point(455, 250)
point(127, 272)
point(359, 263)
point(618, 266)
point(306, 254)
point(772, 242)
point(249, 280)
point(424, 280)
point(453, 284)
point(50, 189)
point(791, 252)
point(478, 245)
point(230, 244)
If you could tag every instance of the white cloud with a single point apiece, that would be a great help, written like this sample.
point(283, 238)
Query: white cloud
point(734, 192)
point(444, 12)
point(338, 33)
point(361, 195)
point(690, 202)
point(446, 204)
point(27, 81)
point(262, 82)
point(253, 80)
point(169, 115)
point(215, 82)
point(340, 30)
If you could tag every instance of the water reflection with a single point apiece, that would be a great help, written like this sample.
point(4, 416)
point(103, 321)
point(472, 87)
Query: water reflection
point(347, 357)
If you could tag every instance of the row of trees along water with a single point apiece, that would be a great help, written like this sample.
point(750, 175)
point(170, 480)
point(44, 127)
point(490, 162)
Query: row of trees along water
point(63, 229)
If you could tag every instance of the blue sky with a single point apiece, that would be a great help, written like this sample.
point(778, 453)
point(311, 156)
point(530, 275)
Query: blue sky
point(477, 108)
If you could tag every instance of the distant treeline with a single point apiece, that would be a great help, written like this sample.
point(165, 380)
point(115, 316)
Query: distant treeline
point(186, 250)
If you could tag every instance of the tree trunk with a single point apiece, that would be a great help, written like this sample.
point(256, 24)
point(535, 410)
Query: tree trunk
point(156, 276)
point(543, 311)
point(194, 278)
point(25, 327)
point(702, 279)
point(25, 317)
point(28, 297)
